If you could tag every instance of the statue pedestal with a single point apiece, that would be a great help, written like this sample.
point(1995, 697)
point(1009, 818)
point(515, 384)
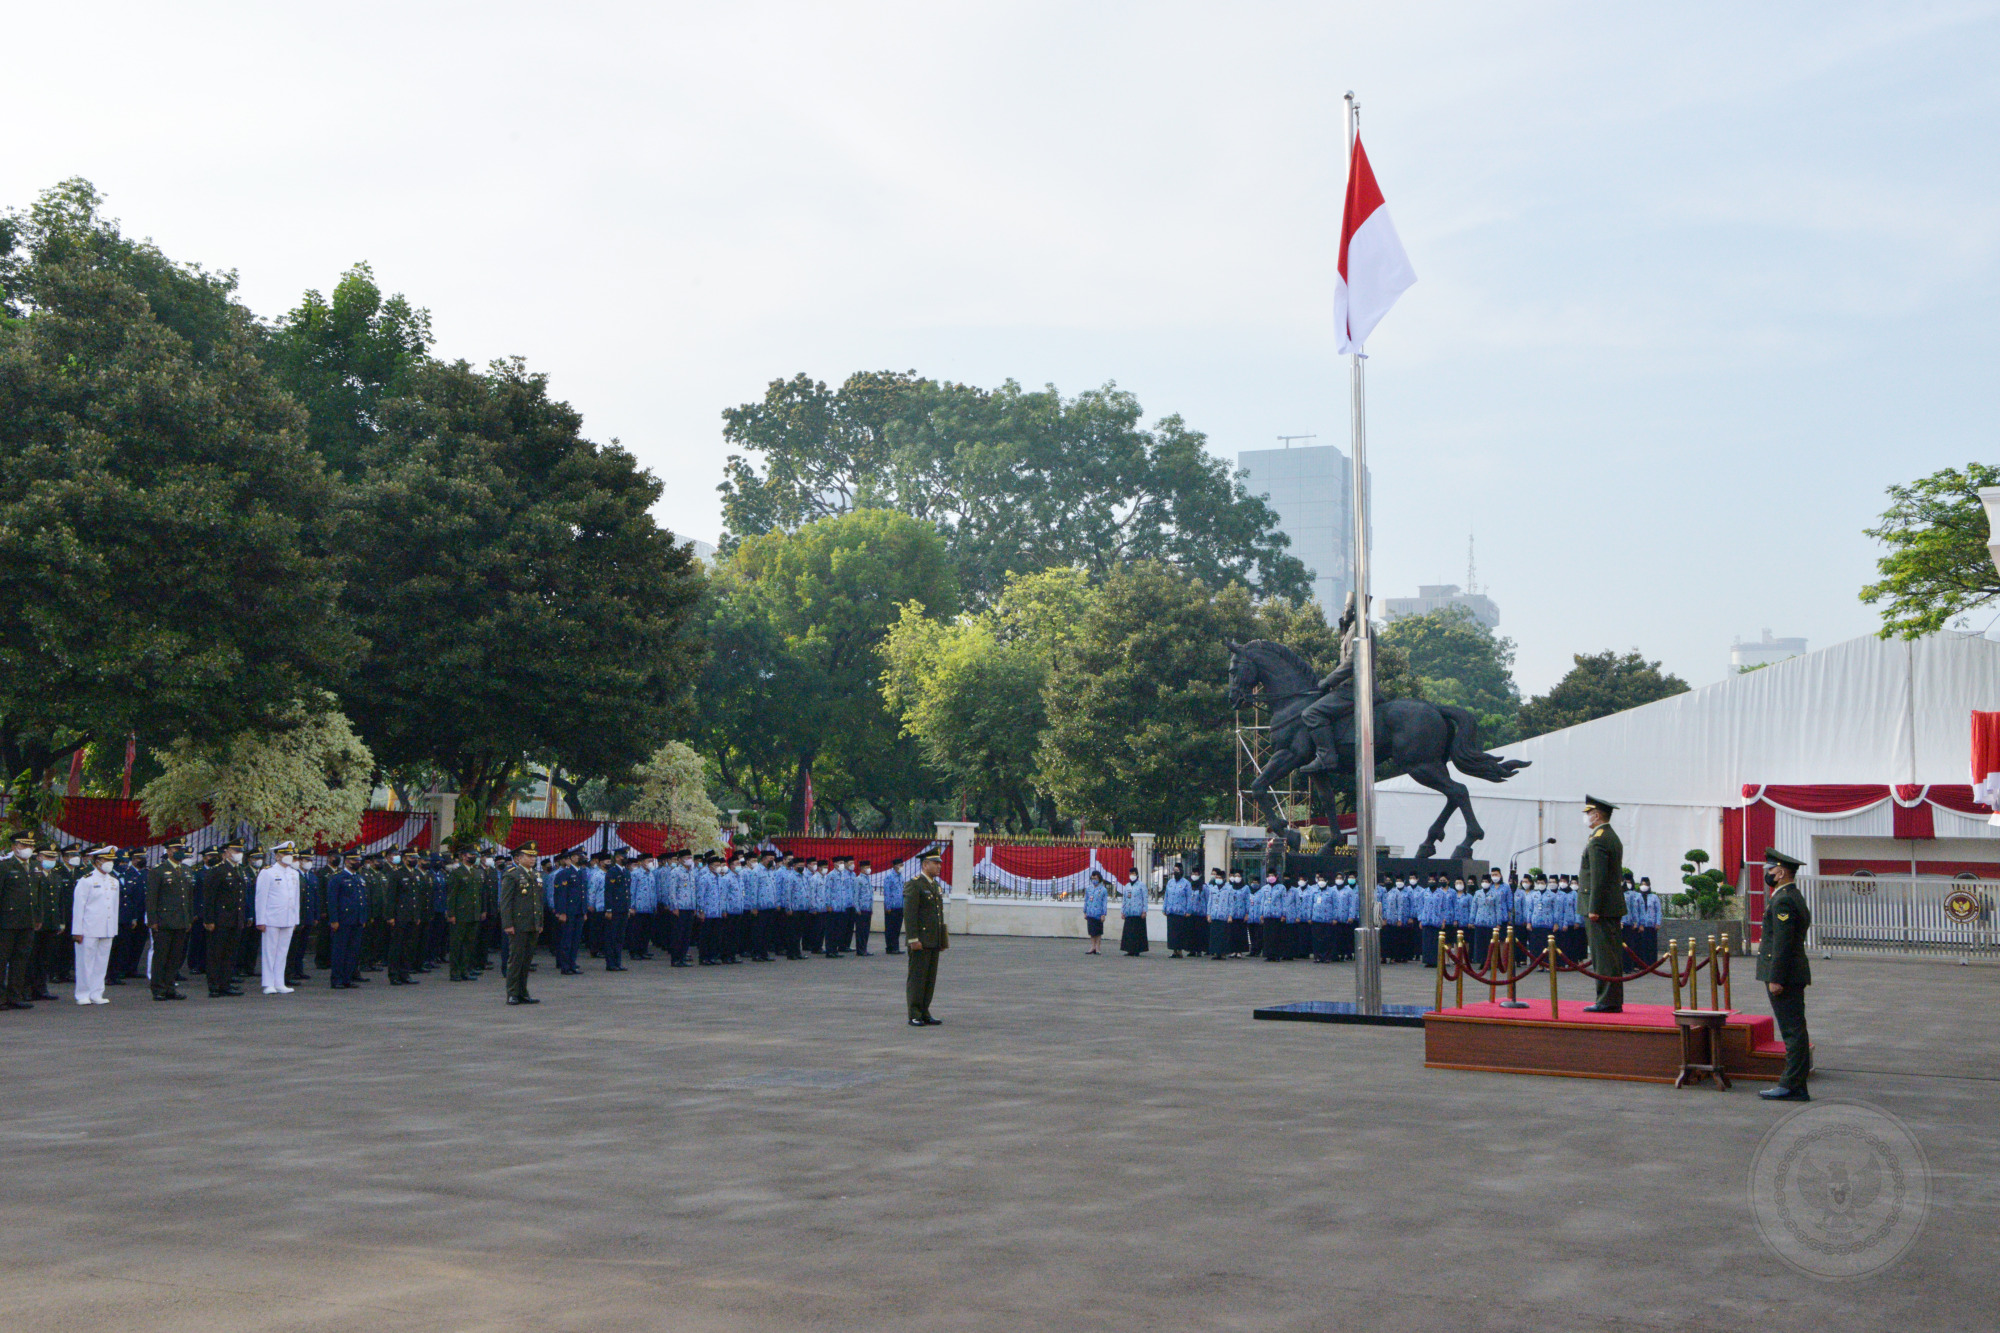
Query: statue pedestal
point(1391, 867)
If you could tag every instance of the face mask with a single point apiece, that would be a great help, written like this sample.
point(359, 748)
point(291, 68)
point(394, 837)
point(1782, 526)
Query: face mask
point(23, 852)
point(187, 860)
point(73, 860)
point(48, 863)
point(232, 857)
point(103, 867)
point(1770, 879)
point(284, 860)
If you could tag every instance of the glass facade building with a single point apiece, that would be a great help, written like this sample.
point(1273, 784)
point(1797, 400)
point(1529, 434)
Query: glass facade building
point(1309, 489)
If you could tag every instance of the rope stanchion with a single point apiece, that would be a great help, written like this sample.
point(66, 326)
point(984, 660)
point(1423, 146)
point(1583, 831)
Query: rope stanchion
point(1442, 953)
point(1728, 1000)
point(1711, 971)
point(1512, 1001)
point(1554, 957)
point(1459, 949)
point(1674, 965)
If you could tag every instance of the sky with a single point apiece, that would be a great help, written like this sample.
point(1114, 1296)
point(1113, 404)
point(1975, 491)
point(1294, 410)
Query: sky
point(1695, 282)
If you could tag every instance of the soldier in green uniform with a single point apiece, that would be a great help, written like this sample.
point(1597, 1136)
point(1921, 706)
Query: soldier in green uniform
point(409, 894)
point(923, 926)
point(64, 874)
point(375, 936)
point(521, 920)
point(169, 897)
point(225, 889)
point(51, 934)
point(17, 924)
point(1784, 969)
point(462, 912)
point(1600, 900)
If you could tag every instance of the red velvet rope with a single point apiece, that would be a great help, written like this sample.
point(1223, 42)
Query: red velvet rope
point(1458, 963)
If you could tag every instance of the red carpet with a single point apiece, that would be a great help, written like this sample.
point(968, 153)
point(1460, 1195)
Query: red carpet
point(1763, 1031)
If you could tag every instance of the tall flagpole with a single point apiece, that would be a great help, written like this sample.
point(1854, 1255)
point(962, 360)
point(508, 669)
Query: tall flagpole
point(1368, 928)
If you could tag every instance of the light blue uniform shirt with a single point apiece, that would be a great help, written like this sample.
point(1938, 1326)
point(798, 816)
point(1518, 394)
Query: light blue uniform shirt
point(1173, 897)
point(645, 888)
point(892, 889)
point(593, 888)
point(1096, 897)
point(1132, 900)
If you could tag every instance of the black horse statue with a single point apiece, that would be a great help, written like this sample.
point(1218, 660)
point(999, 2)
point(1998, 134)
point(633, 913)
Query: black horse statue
point(1412, 736)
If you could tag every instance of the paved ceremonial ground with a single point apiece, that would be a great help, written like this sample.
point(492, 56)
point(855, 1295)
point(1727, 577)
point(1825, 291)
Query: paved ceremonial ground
point(1087, 1143)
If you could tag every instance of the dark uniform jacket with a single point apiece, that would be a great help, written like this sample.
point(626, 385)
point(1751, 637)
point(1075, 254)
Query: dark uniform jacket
point(617, 889)
point(1599, 884)
point(42, 896)
point(521, 900)
point(923, 913)
point(568, 893)
point(489, 889)
point(1781, 954)
point(170, 896)
point(461, 893)
point(409, 892)
point(224, 889)
point(17, 894)
point(347, 899)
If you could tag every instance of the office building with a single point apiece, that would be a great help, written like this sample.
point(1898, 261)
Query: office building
point(1308, 487)
point(1765, 651)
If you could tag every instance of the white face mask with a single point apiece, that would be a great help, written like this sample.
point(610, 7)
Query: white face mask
point(103, 867)
point(24, 852)
point(232, 857)
point(187, 860)
point(73, 860)
point(284, 860)
point(48, 863)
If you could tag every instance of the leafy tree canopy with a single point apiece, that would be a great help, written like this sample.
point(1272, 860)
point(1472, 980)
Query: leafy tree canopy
point(342, 356)
point(160, 509)
point(308, 782)
point(1938, 567)
point(795, 626)
point(517, 597)
point(1015, 480)
point(1461, 661)
point(1599, 685)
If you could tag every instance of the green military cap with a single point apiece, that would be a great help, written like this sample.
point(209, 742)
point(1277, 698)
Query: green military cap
point(526, 849)
point(177, 845)
point(24, 840)
point(1774, 857)
point(233, 845)
point(1594, 803)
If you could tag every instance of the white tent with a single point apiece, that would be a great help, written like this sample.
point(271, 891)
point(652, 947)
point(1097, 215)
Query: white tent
point(1868, 711)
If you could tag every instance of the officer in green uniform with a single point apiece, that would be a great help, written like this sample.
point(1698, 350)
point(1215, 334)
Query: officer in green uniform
point(1784, 969)
point(17, 924)
point(374, 937)
point(521, 920)
point(462, 913)
point(50, 934)
point(169, 899)
point(225, 888)
point(1600, 900)
point(409, 892)
point(923, 927)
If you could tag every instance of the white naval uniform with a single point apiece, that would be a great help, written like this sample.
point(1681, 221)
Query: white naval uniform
point(278, 914)
point(94, 916)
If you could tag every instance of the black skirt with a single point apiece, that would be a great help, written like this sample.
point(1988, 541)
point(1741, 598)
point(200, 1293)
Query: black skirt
point(1133, 939)
point(1095, 924)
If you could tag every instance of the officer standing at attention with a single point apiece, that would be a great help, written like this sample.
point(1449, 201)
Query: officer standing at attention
point(892, 910)
point(169, 911)
point(1785, 971)
point(407, 898)
point(17, 925)
point(462, 914)
point(520, 920)
point(277, 917)
point(225, 886)
point(1600, 900)
point(346, 917)
point(616, 904)
point(923, 900)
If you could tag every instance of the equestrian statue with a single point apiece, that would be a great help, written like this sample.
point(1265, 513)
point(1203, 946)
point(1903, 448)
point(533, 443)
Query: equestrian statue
point(1312, 732)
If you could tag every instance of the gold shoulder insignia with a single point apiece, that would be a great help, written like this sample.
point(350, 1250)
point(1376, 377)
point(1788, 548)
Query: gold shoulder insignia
point(1784, 916)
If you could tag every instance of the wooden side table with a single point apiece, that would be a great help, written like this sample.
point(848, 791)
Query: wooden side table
point(1701, 1034)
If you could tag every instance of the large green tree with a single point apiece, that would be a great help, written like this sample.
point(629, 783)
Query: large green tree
point(1461, 661)
point(1140, 733)
point(160, 510)
point(341, 356)
point(517, 597)
point(969, 691)
point(1016, 480)
point(1938, 567)
point(1598, 685)
point(796, 623)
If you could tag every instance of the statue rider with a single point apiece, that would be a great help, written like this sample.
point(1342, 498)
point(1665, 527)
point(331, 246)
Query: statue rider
point(1322, 717)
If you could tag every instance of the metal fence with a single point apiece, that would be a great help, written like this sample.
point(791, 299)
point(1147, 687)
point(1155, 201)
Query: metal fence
point(1901, 916)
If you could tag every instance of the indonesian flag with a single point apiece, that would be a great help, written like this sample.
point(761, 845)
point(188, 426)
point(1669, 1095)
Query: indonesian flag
point(1374, 271)
point(1986, 761)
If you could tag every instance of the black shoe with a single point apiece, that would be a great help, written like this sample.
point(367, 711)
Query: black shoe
point(1782, 1094)
point(525, 999)
point(1604, 1008)
point(158, 996)
point(411, 981)
point(18, 1004)
point(113, 982)
point(917, 1023)
point(930, 1022)
point(364, 980)
point(177, 995)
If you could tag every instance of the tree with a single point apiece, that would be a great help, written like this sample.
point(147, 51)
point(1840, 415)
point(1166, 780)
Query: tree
point(1461, 661)
point(1708, 891)
point(308, 782)
point(1938, 567)
point(342, 357)
point(797, 620)
point(969, 691)
point(1017, 481)
point(673, 789)
point(161, 516)
point(1599, 685)
point(1140, 731)
point(517, 597)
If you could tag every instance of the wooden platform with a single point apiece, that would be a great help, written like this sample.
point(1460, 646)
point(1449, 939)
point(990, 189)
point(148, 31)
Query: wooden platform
point(1641, 1044)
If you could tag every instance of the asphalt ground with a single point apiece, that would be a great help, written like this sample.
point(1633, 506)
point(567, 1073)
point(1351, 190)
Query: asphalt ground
point(1087, 1143)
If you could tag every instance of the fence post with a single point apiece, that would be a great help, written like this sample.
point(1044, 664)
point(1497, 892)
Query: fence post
point(444, 819)
point(1215, 848)
point(958, 905)
point(1142, 857)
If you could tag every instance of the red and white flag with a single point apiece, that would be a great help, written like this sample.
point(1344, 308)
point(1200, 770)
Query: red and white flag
point(1374, 271)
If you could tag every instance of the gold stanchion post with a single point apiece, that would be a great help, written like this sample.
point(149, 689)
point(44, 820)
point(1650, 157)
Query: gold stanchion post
point(1549, 955)
point(1442, 950)
point(1510, 962)
point(1728, 1000)
point(1711, 972)
point(1459, 960)
point(1674, 969)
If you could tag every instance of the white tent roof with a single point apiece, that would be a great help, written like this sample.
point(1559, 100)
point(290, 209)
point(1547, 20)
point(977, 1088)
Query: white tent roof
point(1869, 710)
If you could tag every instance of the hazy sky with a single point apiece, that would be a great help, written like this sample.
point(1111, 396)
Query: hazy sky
point(1696, 281)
